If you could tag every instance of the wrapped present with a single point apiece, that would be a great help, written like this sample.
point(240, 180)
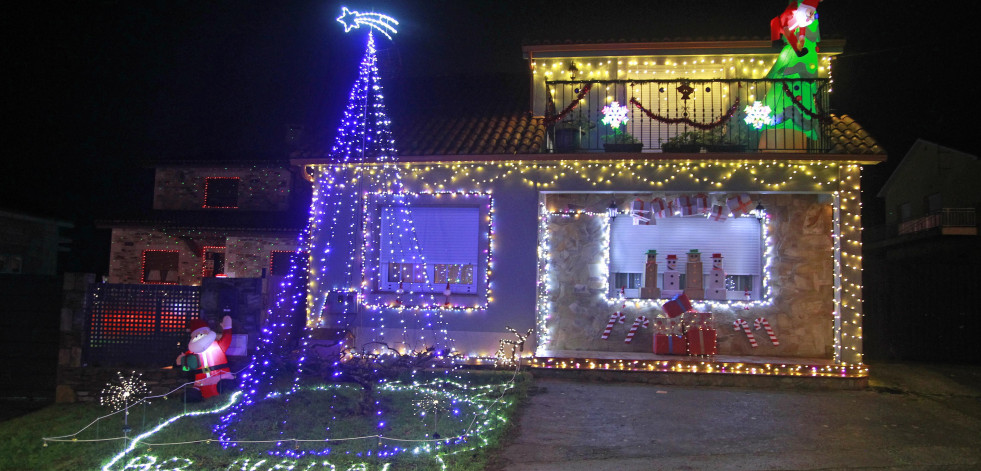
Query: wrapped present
point(701, 341)
point(658, 208)
point(686, 204)
point(701, 203)
point(739, 204)
point(638, 213)
point(669, 344)
point(719, 213)
point(678, 305)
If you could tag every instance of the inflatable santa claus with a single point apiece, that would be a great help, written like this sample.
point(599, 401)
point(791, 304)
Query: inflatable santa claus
point(205, 358)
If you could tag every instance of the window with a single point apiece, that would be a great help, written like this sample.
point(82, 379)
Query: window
point(741, 283)
point(160, 267)
point(737, 239)
point(934, 203)
point(213, 262)
point(905, 211)
point(626, 281)
point(221, 192)
point(280, 262)
point(446, 237)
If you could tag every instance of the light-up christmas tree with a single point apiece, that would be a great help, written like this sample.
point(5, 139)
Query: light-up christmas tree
point(364, 155)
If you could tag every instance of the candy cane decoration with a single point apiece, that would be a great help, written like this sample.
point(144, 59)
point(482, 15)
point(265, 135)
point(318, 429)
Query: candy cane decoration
point(761, 322)
point(614, 318)
point(641, 321)
point(739, 323)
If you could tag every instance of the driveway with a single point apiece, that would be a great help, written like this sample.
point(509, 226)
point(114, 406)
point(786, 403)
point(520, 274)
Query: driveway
point(912, 417)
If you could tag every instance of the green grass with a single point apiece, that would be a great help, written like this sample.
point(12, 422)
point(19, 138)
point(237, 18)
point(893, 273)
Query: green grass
point(315, 412)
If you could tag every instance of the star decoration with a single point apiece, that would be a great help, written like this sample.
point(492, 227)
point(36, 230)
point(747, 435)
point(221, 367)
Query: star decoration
point(614, 115)
point(758, 115)
point(384, 24)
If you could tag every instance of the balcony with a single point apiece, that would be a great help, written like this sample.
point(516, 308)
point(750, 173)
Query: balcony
point(696, 115)
point(950, 221)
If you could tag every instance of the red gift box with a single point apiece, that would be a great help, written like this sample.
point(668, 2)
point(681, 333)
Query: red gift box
point(669, 344)
point(701, 341)
point(677, 306)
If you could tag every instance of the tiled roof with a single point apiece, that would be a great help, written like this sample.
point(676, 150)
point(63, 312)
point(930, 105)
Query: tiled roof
point(848, 137)
point(511, 133)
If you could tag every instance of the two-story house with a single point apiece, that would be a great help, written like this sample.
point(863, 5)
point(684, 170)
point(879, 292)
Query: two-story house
point(217, 242)
point(925, 258)
point(657, 163)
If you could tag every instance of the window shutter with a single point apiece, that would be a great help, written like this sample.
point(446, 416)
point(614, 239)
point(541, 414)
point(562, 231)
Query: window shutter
point(445, 234)
point(737, 239)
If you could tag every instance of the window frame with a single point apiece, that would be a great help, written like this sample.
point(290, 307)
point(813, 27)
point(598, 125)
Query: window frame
point(207, 192)
point(145, 270)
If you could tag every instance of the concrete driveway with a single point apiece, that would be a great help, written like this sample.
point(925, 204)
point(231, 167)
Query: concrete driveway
point(911, 417)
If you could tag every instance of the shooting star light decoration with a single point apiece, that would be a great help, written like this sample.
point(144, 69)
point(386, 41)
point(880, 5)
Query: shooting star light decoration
point(384, 24)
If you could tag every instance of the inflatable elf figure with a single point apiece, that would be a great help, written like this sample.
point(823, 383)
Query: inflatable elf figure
point(797, 27)
point(205, 359)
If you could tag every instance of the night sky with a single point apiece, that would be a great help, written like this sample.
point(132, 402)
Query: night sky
point(96, 89)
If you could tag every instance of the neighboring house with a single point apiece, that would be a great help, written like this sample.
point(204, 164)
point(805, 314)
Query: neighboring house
point(933, 188)
point(210, 219)
point(217, 242)
point(30, 245)
point(512, 209)
point(922, 263)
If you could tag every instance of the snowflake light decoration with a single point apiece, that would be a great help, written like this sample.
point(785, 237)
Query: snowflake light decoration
point(124, 391)
point(614, 115)
point(758, 115)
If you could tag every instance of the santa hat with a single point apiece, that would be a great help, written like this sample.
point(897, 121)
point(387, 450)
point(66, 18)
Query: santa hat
point(811, 3)
point(195, 326)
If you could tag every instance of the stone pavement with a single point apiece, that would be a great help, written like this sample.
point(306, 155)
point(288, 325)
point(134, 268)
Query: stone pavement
point(910, 417)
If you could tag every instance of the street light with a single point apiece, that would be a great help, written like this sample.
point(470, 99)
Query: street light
point(760, 212)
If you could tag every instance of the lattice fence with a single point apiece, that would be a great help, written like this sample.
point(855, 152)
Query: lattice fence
point(137, 325)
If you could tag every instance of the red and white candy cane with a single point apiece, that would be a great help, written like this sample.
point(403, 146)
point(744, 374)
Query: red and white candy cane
point(641, 321)
point(739, 323)
point(614, 318)
point(761, 322)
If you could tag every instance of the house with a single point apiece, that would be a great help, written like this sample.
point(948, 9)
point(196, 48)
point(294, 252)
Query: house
point(30, 245)
point(925, 255)
point(547, 219)
point(219, 238)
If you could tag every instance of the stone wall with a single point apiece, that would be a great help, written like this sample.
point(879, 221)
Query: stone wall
point(801, 283)
point(260, 188)
point(245, 257)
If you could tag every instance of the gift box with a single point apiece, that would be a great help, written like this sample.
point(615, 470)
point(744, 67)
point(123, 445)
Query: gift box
point(701, 203)
point(678, 305)
point(669, 344)
point(719, 213)
point(658, 207)
point(686, 205)
point(739, 204)
point(701, 341)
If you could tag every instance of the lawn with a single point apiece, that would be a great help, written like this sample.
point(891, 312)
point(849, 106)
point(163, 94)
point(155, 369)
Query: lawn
point(433, 421)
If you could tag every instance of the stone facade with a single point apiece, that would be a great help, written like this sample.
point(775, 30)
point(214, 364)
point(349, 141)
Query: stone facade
point(259, 189)
point(245, 256)
point(801, 283)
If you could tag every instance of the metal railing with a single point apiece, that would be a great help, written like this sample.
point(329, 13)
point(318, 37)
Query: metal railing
point(690, 115)
point(947, 217)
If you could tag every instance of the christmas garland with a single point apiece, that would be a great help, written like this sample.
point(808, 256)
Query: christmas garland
point(661, 119)
point(550, 120)
point(820, 117)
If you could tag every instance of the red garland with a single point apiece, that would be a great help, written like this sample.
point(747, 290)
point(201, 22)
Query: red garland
point(550, 120)
point(722, 120)
point(822, 118)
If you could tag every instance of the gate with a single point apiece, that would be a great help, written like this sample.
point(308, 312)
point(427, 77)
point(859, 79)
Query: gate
point(137, 325)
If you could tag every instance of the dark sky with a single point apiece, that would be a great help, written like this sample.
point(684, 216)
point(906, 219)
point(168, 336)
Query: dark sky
point(95, 89)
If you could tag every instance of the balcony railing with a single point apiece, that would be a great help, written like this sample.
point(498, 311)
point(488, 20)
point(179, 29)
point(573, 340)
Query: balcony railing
point(956, 221)
point(690, 115)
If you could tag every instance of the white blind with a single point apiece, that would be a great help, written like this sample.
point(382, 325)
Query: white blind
point(445, 234)
point(737, 239)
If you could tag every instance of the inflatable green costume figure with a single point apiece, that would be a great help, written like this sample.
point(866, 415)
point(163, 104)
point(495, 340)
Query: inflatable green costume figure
point(798, 27)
